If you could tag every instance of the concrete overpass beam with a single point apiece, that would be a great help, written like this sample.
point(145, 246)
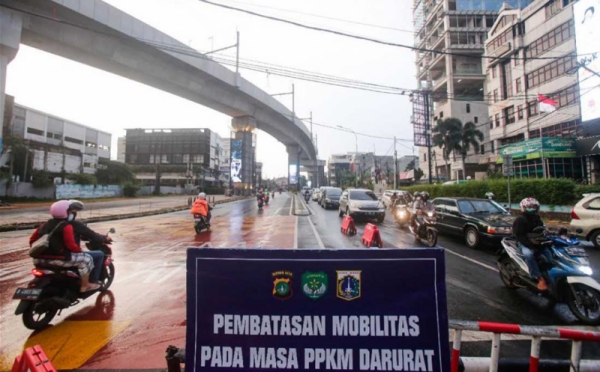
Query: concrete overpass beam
point(293, 172)
point(11, 24)
point(243, 153)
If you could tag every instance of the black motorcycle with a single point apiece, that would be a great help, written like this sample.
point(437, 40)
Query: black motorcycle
point(55, 288)
point(200, 223)
point(306, 197)
point(260, 202)
point(425, 227)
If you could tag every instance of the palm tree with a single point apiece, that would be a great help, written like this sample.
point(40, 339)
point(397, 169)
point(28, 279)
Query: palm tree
point(447, 136)
point(470, 136)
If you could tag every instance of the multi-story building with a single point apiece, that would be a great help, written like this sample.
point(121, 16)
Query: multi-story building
point(536, 54)
point(336, 164)
point(180, 155)
point(121, 149)
point(59, 145)
point(451, 35)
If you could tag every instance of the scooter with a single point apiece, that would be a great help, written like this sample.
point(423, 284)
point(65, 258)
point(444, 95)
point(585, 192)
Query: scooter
point(425, 229)
point(307, 197)
point(568, 275)
point(200, 223)
point(260, 203)
point(401, 214)
point(266, 199)
point(55, 288)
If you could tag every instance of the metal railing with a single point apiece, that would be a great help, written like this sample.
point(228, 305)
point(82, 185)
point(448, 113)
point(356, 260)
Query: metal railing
point(537, 333)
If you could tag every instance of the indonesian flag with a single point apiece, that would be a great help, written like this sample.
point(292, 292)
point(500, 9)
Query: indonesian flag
point(546, 104)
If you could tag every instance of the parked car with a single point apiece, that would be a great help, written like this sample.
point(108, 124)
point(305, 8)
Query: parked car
point(386, 198)
point(322, 192)
point(315, 195)
point(585, 218)
point(331, 197)
point(361, 203)
point(477, 220)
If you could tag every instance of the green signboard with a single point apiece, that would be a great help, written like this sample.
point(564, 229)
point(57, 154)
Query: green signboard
point(554, 147)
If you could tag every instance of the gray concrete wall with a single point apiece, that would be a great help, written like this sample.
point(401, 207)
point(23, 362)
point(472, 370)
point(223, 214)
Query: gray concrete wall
point(26, 190)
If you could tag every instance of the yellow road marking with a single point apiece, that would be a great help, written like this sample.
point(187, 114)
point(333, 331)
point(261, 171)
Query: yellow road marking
point(71, 343)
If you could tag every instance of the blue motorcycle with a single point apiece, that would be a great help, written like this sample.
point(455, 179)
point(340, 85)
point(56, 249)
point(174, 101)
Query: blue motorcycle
point(568, 274)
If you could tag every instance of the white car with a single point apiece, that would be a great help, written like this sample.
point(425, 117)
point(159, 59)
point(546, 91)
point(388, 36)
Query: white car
point(586, 218)
point(361, 203)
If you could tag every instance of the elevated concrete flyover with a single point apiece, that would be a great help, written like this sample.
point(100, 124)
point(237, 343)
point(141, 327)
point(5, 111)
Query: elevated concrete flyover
point(114, 41)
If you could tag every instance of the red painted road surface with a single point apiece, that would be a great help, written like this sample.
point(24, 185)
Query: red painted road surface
point(130, 326)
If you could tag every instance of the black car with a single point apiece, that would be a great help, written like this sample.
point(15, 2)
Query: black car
point(476, 220)
point(331, 197)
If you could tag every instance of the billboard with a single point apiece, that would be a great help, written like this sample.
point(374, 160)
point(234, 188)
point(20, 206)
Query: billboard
point(587, 32)
point(293, 178)
point(236, 160)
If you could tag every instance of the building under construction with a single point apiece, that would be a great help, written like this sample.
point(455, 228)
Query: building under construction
point(450, 36)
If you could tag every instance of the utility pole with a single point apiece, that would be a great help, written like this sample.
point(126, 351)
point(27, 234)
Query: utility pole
point(237, 53)
point(428, 126)
point(395, 165)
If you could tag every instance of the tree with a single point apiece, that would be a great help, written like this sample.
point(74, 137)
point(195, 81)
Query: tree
point(303, 181)
point(345, 178)
point(114, 173)
point(470, 136)
point(82, 178)
point(418, 172)
point(447, 135)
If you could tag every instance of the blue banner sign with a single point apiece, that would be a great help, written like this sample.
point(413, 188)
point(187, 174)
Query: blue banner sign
point(309, 310)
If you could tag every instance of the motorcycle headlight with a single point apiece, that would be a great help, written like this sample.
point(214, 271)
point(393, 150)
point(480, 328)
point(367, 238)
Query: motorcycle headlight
point(401, 213)
point(430, 214)
point(586, 270)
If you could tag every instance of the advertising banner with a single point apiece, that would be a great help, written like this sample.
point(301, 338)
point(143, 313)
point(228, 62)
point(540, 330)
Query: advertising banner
point(588, 146)
point(293, 178)
point(531, 149)
point(308, 310)
point(587, 34)
point(236, 160)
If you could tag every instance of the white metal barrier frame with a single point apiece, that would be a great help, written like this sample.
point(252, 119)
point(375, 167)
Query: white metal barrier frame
point(536, 332)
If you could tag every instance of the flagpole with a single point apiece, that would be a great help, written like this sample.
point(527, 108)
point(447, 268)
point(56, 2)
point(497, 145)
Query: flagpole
point(542, 143)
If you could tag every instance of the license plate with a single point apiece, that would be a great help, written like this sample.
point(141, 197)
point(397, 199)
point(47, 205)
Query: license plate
point(28, 294)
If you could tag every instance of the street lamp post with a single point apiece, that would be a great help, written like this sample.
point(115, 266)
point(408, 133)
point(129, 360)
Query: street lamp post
point(356, 144)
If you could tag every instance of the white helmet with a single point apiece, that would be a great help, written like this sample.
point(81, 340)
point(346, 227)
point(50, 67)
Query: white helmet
point(202, 196)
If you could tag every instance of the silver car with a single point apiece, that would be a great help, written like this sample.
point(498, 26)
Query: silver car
point(361, 203)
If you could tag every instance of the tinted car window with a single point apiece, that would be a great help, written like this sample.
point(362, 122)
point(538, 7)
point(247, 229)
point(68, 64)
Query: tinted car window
point(362, 195)
point(478, 206)
point(594, 204)
point(451, 206)
point(334, 192)
point(466, 207)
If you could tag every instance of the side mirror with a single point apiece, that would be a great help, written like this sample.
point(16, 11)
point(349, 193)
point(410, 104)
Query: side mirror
point(505, 206)
point(112, 230)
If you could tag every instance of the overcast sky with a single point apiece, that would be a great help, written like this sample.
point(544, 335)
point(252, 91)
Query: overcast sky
point(112, 103)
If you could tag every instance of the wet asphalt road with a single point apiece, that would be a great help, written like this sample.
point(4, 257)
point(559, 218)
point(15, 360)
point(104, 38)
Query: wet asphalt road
point(144, 311)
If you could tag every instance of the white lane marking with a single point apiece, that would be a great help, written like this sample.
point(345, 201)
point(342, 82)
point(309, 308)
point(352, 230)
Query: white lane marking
point(469, 259)
point(296, 234)
point(291, 205)
point(314, 229)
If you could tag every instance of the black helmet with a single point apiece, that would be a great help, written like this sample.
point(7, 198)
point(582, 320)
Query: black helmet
point(425, 195)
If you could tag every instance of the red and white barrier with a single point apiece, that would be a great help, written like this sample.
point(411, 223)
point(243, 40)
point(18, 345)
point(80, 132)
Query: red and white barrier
point(33, 359)
point(371, 236)
point(537, 333)
point(348, 226)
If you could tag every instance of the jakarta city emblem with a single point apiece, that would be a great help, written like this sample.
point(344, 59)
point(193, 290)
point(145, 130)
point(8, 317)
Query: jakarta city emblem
point(314, 285)
point(282, 285)
point(348, 284)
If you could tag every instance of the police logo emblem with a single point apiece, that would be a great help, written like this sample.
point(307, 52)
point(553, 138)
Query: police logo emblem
point(314, 285)
point(348, 284)
point(282, 285)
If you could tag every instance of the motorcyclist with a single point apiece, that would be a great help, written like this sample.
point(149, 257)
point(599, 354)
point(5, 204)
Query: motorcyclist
point(489, 195)
point(63, 250)
point(202, 208)
point(523, 225)
point(260, 196)
point(82, 232)
point(423, 205)
point(416, 206)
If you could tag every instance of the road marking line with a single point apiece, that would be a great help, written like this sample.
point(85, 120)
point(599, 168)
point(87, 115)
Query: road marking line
point(314, 229)
point(291, 205)
point(296, 234)
point(470, 259)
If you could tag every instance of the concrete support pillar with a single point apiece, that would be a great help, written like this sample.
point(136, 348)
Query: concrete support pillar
point(244, 139)
point(293, 160)
point(11, 24)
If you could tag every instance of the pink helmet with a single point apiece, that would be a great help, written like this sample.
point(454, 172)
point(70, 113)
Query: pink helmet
point(59, 209)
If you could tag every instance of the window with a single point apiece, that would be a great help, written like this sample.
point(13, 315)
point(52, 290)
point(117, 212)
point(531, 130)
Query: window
point(91, 144)
point(57, 136)
point(482, 149)
point(553, 7)
point(451, 206)
point(520, 112)
point(104, 147)
point(37, 132)
point(74, 140)
point(475, 119)
point(500, 40)
point(508, 140)
point(594, 204)
point(518, 85)
point(494, 72)
point(493, 147)
point(425, 157)
point(497, 120)
point(491, 122)
point(566, 129)
point(495, 95)
point(468, 108)
point(506, 80)
point(89, 165)
point(517, 59)
point(509, 115)
point(532, 109)
point(441, 114)
point(553, 38)
point(550, 71)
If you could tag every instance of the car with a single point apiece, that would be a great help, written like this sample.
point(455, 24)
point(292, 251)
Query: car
point(361, 203)
point(322, 192)
point(331, 197)
point(386, 198)
point(454, 182)
point(585, 218)
point(315, 195)
point(477, 220)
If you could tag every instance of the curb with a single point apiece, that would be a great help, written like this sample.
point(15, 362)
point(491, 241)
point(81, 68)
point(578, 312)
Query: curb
point(301, 212)
point(32, 225)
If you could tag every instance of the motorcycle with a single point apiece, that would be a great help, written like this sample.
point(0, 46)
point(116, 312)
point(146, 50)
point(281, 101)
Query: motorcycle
point(425, 229)
point(55, 288)
point(273, 195)
point(306, 197)
point(568, 275)
point(401, 214)
point(260, 202)
point(200, 223)
point(266, 199)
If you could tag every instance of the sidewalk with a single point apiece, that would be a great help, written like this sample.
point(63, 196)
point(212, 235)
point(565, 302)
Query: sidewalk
point(111, 210)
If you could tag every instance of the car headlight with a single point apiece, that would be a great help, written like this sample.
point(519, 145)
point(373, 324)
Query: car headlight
point(354, 205)
point(328, 200)
point(586, 270)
